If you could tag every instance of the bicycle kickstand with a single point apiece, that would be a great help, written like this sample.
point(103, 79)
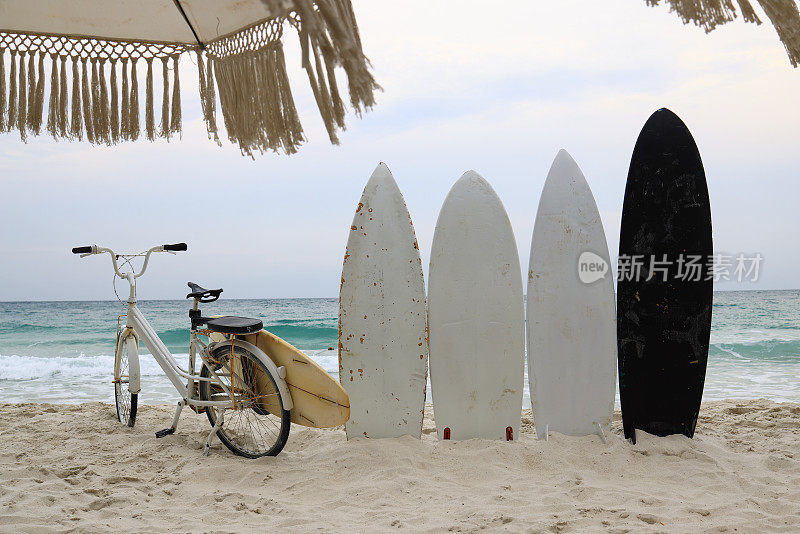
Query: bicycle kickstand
point(217, 425)
point(171, 430)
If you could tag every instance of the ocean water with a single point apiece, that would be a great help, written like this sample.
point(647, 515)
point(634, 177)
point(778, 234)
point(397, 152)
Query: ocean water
point(62, 352)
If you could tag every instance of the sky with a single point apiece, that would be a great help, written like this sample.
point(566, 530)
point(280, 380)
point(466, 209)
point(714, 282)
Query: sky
point(464, 87)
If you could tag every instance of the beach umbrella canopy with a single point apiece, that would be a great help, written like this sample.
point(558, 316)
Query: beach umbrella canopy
point(708, 14)
point(85, 69)
point(91, 56)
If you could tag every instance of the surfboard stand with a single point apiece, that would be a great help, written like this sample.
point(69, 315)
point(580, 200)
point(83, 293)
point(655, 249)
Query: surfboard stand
point(602, 434)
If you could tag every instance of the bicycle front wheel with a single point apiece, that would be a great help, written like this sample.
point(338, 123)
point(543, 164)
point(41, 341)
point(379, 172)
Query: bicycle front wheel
point(255, 423)
point(125, 400)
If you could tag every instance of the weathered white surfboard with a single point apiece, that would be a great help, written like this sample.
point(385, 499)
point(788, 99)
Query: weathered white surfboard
point(571, 317)
point(475, 316)
point(383, 342)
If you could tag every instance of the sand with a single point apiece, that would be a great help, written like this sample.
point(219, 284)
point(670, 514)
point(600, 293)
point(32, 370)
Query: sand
point(74, 468)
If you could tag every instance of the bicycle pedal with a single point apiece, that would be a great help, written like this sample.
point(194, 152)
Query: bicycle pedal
point(165, 432)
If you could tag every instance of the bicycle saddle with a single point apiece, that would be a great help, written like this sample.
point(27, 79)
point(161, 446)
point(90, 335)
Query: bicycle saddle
point(202, 294)
point(234, 325)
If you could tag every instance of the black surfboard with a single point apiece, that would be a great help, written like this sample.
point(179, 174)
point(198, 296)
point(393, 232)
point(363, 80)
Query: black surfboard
point(665, 287)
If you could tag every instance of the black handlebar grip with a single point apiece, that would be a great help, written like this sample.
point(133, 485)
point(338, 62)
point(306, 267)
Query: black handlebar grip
point(82, 250)
point(177, 247)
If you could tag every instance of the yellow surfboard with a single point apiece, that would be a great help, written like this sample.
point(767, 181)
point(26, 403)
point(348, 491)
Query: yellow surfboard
point(319, 400)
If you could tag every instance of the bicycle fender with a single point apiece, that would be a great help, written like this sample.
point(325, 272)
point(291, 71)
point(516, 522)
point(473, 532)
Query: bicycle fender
point(134, 375)
point(276, 374)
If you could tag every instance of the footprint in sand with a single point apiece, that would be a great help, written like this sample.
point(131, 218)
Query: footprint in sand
point(118, 479)
point(99, 504)
point(648, 518)
point(69, 471)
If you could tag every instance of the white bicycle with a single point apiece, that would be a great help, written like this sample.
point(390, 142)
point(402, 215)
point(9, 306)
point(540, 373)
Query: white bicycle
point(239, 387)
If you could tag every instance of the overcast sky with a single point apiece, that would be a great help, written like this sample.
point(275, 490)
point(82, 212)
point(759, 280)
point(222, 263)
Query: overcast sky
point(468, 88)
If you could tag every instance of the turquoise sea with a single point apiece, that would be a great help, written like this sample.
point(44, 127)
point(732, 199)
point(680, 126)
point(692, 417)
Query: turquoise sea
point(62, 352)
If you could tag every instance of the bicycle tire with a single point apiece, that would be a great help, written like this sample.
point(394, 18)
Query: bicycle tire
point(125, 401)
point(274, 420)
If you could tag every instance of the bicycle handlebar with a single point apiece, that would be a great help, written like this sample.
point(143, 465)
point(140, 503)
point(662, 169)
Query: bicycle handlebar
point(94, 249)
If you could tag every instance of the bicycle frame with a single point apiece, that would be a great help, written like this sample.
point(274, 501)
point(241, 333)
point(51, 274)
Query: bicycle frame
point(183, 380)
point(138, 328)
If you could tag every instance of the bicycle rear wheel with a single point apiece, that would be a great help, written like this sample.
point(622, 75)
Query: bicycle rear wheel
point(256, 424)
point(125, 400)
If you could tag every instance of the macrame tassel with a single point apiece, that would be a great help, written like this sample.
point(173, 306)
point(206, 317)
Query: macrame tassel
point(256, 100)
point(30, 116)
point(336, 100)
point(328, 29)
point(247, 69)
point(102, 126)
point(349, 17)
point(39, 106)
point(291, 128)
point(208, 100)
point(201, 73)
point(785, 17)
point(294, 130)
point(164, 127)
point(748, 13)
point(12, 94)
point(113, 118)
point(343, 43)
point(231, 79)
point(212, 95)
point(280, 120)
point(228, 112)
point(100, 131)
point(76, 125)
point(318, 86)
point(63, 99)
point(3, 103)
point(53, 105)
point(88, 121)
point(124, 120)
point(268, 109)
point(133, 113)
point(327, 100)
point(35, 122)
point(149, 117)
point(176, 123)
point(94, 90)
point(707, 14)
point(22, 115)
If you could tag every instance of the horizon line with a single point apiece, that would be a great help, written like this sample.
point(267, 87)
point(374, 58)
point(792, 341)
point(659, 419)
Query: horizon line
point(314, 298)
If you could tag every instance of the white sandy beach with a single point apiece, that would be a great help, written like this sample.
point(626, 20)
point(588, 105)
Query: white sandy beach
point(74, 468)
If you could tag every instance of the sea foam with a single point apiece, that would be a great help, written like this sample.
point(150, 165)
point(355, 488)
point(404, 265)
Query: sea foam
point(16, 367)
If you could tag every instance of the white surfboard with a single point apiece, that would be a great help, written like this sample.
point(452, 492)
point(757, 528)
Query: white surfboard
point(475, 316)
point(571, 317)
point(383, 342)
